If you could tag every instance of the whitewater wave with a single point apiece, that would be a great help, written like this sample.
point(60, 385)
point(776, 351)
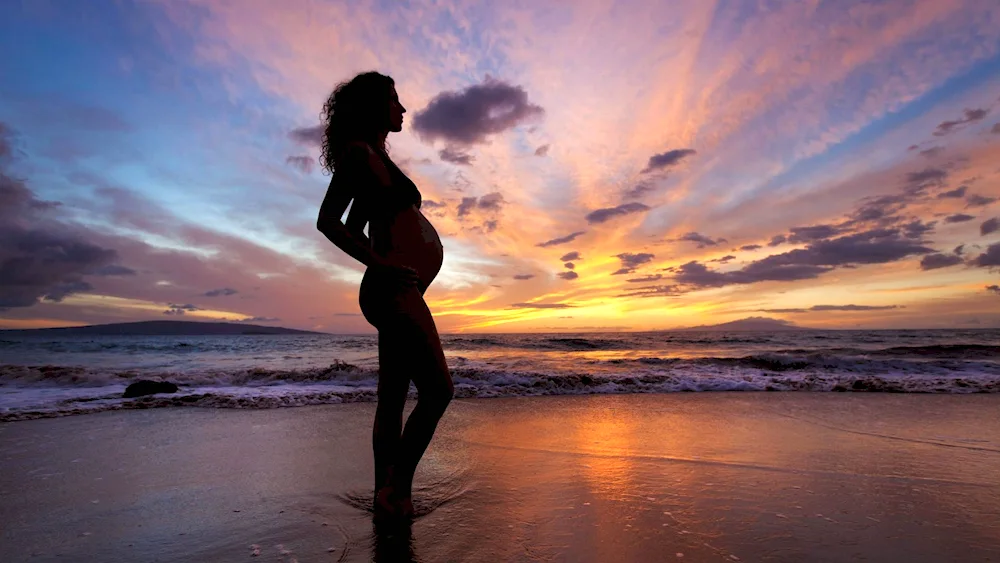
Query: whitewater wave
point(44, 391)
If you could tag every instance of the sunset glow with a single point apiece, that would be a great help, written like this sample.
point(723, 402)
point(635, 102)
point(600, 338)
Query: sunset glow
point(635, 166)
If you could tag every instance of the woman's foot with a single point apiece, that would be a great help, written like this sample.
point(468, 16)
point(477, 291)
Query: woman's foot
point(389, 504)
point(405, 506)
point(382, 504)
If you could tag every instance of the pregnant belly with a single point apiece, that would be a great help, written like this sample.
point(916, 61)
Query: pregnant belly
point(409, 239)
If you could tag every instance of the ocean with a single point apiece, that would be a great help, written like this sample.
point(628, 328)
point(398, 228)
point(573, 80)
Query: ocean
point(46, 375)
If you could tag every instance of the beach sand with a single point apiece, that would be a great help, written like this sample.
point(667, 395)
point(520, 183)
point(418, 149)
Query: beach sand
point(675, 477)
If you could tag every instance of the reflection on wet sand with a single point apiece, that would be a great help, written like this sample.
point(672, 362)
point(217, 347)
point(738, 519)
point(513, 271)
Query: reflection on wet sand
point(628, 476)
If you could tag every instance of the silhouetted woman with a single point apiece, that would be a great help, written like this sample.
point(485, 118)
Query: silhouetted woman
point(403, 254)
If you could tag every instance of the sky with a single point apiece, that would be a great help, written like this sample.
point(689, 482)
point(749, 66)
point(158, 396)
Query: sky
point(589, 165)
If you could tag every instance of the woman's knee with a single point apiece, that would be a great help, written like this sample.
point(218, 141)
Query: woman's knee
point(437, 396)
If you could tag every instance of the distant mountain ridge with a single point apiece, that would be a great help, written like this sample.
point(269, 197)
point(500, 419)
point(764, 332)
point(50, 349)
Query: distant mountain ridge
point(750, 323)
point(161, 328)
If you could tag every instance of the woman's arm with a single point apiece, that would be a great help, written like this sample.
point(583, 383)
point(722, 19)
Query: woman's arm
point(349, 239)
point(362, 170)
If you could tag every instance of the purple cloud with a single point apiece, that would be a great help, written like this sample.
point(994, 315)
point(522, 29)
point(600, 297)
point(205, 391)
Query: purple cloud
point(561, 240)
point(666, 159)
point(603, 215)
point(309, 136)
point(632, 261)
point(303, 164)
point(971, 116)
point(989, 226)
point(958, 218)
point(221, 291)
point(456, 156)
point(976, 200)
point(936, 261)
point(990, 258)
point(700, 239)
point(956, 193)
point(469, 116)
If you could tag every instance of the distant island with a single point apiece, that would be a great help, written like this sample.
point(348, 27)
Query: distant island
point(750, 323)
point(161, 328)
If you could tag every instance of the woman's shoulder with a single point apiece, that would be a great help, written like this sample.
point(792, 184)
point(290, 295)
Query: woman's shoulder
point(358, 154)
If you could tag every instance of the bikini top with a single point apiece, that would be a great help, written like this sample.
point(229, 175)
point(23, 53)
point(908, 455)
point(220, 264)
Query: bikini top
point(399, 195)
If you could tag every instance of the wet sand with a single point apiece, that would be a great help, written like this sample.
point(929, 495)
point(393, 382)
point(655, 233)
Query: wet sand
point(677, 477)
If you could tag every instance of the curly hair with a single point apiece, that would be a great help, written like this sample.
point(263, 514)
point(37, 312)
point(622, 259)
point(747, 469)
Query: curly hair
point(357, 110)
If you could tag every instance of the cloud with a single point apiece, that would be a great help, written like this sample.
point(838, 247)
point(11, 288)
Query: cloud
point(957, 192)
point(221, 291)
point(827, 308)
point(41, 257)
point(749, 247)
point(916, 228)
point(725, 259)
point(958, 218)
point(570, 275)
point(702, 240)
point(632, 261)
point(542, 150)
point(876, 246)
point(666, 159)
point(569, 265)
point(996, 129)
point(259, 320)
point(541, 305)
point(959, 249)
point(469, 116)
point(490, 202)
point(303, 163)
point(112, 270)
point(976, 200)
point(6, 149)
point(776, 240)
point(971, 116)
point(431, 204)
point(993, 288)
point(935, 261)
point(654, 291)
point(523, 276)
point(931, 152)
point(570, 256)
point(174, 309)
point(646, 279)
point(309, 136)
point(561, 240)
point(814, 232)
point(602, 215)
point(456, 156)
point(989, 226)
point(637, 191)
point(916, 183)
point(990, 258)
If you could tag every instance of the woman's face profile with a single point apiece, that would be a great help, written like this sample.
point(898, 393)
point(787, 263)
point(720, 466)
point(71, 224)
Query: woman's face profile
point(396, 111)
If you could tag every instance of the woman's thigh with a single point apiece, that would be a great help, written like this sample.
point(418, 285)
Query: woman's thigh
point(409, 344)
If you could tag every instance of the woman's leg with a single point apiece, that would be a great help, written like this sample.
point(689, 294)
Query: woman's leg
point(412, 339)
point(393, 385)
